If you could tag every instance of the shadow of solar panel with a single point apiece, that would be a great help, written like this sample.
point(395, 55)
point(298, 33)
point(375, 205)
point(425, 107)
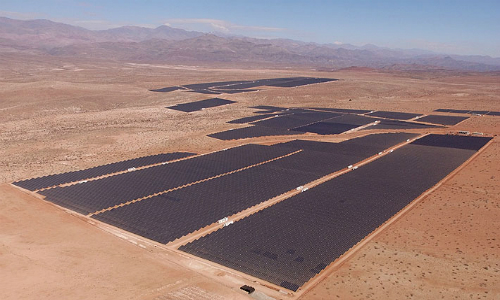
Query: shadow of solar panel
point(453, 141)
point(442, 110)
point(325, 128)
point(103, 193)
point(164, 220)
point(442, 120)
point(57, 179)
point(394, 115)
point(326, 221)
point(251, 132)
point(198, 105)
point(395, 125)
point(249, 119)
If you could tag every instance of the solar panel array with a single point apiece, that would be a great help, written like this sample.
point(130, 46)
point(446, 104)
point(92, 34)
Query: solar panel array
point(95, 195)
point(292, 241)
point(251, 132)
point(396, 125)
point(300, 82)
point(199, 105)
point(466, 111)
point(268, 108)
point(343, 110)
point(443, 120)
point(394, 115)
point(295, 120)
point(172, 215)
point(453, 141)
point(325, 128)
point(361, 148)
point(336, 125)
point(232, 87)
point(279, 124)
point(328, 121)
point(57, 179)
point(352, 120)
point(249, 119)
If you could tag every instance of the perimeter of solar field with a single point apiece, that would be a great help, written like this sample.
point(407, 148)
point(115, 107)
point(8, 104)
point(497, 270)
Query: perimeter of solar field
point(282, 213)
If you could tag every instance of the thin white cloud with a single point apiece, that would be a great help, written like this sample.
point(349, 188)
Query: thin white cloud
point(100, 24)
point(19, 15)
point(337, 43)
point(455, 47)
point(219, 25)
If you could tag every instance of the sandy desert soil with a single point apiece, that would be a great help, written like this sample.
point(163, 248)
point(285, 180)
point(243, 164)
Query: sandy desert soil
point(58, 116)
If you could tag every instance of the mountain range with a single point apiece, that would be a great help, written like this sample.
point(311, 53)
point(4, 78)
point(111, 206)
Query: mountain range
point(165, 44)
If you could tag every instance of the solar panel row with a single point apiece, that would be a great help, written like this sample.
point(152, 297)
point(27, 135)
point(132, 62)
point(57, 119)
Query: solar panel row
point(443, 120)
point(465, 111)
point(324, 128)
point(198, 105)
point(396, 125)
point(343, 110)
point(394, 115)
point(301, 82)
point(251, 132)
point(453, 141)
point(290, 242)
point(249, 119)
point(57, 179)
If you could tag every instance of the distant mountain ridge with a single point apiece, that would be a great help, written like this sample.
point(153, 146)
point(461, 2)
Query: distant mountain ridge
point(173, 45)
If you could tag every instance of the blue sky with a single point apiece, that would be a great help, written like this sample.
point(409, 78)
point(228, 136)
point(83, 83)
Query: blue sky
point(455, 27)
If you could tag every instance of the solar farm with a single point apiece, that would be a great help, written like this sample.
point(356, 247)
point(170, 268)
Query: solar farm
point(272, 198)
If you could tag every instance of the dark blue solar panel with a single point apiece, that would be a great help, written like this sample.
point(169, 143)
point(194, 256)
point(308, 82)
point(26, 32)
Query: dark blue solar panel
point(289, 243)
point(442, 120)
point(57, 179)
point(453, 141)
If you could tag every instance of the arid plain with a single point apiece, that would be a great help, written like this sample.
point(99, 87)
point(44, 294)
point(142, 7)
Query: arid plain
point(59, 116)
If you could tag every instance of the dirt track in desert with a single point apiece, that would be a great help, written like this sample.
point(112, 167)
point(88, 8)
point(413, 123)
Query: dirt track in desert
point(59, 116)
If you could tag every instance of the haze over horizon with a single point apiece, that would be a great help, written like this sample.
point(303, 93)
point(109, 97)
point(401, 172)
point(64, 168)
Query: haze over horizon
point(453, 27)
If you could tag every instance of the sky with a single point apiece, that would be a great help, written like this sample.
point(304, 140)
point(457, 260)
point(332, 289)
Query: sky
point(445, 26)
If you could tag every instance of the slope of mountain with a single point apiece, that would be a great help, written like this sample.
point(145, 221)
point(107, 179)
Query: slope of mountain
point(167, 44)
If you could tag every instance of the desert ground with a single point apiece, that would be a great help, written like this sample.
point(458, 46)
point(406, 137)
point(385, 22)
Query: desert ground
point(64, 115)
